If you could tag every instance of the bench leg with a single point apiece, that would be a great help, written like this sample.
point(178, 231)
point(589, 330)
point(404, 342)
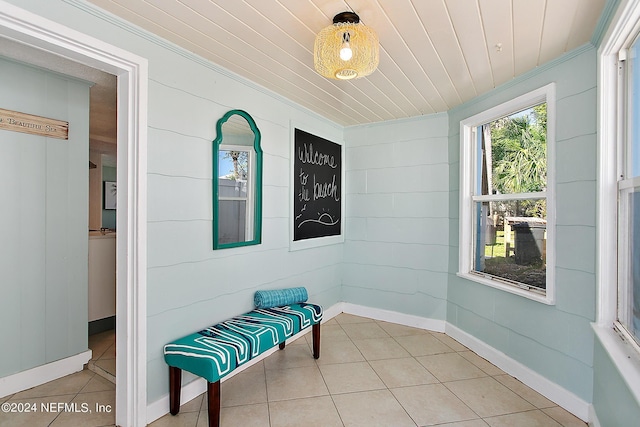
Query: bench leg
point(316, 340)
point(213, 395)
point(175, 383)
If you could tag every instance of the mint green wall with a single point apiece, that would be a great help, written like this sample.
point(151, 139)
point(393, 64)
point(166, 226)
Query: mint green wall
point(555, 341)
point(43, 222)
point(397, 234)
point(401, 251)
point(613, 402)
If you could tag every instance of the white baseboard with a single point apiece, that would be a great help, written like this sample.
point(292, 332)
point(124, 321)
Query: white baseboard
point(532, 379)
point(195, 388)
point(395, 317)
point(42, 374)
point(333, 311)
point(593, 417)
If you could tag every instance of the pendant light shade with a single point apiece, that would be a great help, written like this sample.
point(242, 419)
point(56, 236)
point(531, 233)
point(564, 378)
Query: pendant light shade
point(347, 49)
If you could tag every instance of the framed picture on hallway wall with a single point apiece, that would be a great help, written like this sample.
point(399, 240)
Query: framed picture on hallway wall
point(110, 195)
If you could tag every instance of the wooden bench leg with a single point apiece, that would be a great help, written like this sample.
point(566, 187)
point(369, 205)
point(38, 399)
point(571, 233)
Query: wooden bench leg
point(213, 395)
point(175, 383)
point(316, 340)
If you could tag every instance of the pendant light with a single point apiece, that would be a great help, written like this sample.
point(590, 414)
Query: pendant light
point(347, 49)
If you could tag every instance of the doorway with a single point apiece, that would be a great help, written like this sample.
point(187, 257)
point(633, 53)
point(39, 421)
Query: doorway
point(102, 173)
point(31, 29)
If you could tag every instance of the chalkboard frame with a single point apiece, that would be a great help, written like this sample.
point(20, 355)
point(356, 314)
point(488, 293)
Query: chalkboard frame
point(294, 176)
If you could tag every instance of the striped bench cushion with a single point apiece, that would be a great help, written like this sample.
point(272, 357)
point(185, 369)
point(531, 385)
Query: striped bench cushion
point(219, 349)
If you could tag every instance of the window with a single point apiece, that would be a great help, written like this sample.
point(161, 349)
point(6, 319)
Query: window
point(506, 226)
point(237, 182)
point(617, 257)
point(629, 194)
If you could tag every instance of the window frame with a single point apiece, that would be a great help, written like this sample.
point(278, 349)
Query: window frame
point(468, 197)
point(625, 185)
point(624, 304)
point(623, 354)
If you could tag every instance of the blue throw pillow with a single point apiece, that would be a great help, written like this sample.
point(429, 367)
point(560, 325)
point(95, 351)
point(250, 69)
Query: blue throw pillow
point(280, 297)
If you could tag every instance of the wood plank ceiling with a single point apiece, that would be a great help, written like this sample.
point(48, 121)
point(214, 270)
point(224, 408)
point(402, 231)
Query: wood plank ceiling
point(434, 54)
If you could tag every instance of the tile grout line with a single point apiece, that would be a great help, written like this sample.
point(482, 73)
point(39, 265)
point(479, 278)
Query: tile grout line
point(325, 381)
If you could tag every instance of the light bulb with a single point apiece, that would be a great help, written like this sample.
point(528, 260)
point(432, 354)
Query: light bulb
point(345, 50)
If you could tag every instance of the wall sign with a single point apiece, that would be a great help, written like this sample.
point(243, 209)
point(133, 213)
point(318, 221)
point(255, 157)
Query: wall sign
point(110, 195)
point(36, 125)
point(317, 187)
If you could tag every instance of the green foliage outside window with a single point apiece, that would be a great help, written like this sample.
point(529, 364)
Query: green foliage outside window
point(519, 157)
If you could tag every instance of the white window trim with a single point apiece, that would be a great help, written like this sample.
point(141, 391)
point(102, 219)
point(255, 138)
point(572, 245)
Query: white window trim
point(467, 195)
point(625, 25)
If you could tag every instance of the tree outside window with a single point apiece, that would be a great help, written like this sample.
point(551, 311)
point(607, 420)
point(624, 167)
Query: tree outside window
point(514, 153)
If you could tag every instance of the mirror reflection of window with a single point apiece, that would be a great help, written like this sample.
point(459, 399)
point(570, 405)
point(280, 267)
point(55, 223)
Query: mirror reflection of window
point(237, 186)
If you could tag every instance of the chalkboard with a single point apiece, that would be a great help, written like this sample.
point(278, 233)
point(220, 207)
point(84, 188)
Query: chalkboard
point(317, 187)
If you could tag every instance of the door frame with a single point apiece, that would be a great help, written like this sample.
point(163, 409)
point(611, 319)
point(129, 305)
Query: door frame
point(131, 254)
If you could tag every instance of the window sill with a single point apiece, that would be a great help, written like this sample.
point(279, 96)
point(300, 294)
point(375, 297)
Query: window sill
point(624, 357)
point(513, 289)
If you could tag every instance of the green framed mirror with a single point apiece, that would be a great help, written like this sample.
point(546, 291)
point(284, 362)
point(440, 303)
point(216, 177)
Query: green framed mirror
point(237, 182)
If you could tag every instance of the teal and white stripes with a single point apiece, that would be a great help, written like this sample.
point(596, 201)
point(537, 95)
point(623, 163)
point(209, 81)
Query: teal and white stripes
point(216, 351)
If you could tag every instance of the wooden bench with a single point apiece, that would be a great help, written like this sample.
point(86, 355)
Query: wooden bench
point(215, 352)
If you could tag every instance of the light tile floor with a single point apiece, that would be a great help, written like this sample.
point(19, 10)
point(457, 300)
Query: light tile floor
point(103, 358)
point(84, 399)
point(370, 373)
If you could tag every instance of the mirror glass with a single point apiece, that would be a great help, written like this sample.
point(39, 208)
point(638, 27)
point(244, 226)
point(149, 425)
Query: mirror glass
point(237, 182)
